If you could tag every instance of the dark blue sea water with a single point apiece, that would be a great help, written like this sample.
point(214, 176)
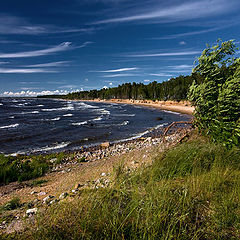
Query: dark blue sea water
point(45, 125)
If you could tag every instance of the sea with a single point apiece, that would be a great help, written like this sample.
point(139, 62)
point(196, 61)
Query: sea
point(37, 126)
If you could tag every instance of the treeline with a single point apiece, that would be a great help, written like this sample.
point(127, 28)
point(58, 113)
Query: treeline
point(174, 89)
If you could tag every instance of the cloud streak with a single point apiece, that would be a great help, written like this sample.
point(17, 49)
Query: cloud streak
point(178, 12)
point(118, 70)
point(50, 64)
point(59, 48)
point(166, 54)
point(25, 70)
point(119, 75)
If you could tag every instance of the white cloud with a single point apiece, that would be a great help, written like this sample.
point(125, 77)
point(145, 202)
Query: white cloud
point(110, 83)
point(160, 74)
point(178, 35)
point(59, 48)
point(25, 70)
point(119, 75)
point(17, 25)
point(182, 43)
point(30, 93)
point(118, 70)
point(147, 80)
point(50, 64)
point(178, 12)
point(166, 54)
point(105, 87)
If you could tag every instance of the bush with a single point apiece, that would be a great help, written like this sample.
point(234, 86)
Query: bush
point(217, 99)
point(18, 169)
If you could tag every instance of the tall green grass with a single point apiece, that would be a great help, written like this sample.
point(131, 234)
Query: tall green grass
point(189, 192)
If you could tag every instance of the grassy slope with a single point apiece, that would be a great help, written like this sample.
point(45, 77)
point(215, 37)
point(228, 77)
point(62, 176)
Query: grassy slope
point(190, 192)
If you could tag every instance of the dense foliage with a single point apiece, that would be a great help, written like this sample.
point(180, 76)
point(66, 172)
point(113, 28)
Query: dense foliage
point(174, 89)
point(217, 98)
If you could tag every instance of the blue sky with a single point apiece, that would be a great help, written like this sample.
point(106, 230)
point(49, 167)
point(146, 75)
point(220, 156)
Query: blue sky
point(60, 46)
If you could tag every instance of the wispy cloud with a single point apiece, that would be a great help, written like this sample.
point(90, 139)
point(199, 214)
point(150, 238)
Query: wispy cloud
point(119, 75)
point(20, 26)
point(165, 54)
point(179, 35)
point(118, 70)
point(161, 74)
point(59, 48)
point(50, 64)
point(178, 12)
point(26, 70)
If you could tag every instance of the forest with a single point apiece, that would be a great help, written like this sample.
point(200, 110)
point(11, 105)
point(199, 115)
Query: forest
point(174, 89)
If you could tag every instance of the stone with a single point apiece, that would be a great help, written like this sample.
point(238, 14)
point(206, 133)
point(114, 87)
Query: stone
point(31, 211)
point(53, 201)
point(105, 144)
point(42, 193)
point(103, 174)
point(63, 195)
point(47, 199)
point(53, 160)
point(33, 192)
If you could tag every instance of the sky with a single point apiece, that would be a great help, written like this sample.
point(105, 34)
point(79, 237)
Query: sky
point(60, 46)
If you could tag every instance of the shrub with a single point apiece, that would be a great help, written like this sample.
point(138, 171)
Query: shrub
point(217, 98)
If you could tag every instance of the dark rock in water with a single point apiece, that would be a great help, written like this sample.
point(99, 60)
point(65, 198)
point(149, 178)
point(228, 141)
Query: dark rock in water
point(159, 118)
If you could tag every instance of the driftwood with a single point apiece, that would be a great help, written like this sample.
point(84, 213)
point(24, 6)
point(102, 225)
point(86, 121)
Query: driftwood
point(173, 124)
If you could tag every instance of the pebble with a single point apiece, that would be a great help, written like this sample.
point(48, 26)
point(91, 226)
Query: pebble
point(63, 195)
point(42, 193)
point(31, 211)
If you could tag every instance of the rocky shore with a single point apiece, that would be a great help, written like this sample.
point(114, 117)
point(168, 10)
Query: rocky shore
point(42, 197)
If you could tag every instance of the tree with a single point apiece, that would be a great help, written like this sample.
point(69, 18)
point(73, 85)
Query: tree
point(217, 98)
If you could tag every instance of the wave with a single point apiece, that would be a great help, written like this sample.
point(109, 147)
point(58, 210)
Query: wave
point(1, 104)
point(40, 105)
point(33, 112)
point(54, 119)
point(171, 112)
point(10, 126)
point(43, 149)
point(97, 119)
point(84, 105)
point(58, 109)
point(79, 123)
point(124, 115)
point(12, 117)
point(103, 111)
point(68, 115)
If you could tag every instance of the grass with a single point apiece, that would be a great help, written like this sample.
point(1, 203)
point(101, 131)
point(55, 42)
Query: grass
point(190, 191)
point(22, 168)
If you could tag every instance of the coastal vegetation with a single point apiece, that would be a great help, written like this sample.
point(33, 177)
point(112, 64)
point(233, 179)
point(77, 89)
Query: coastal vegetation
point(21, 168)
point(189, 192)
point(173, 89)
point(217, 98)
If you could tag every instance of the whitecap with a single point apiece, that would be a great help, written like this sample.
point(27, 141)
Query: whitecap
point(53, 119)
point(171, 112)
point(97, 119)
point(68, 115)
point(10, 126)
point(40, 105)
point(1, 104)
point(124, 115)
point(79, 123)
point(33, 112)
point(43, 149)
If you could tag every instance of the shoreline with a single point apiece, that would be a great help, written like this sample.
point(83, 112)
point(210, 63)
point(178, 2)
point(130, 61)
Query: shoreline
point(180, 107)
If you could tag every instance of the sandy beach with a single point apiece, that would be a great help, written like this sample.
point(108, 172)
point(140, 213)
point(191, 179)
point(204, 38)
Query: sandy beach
point(181, 107)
